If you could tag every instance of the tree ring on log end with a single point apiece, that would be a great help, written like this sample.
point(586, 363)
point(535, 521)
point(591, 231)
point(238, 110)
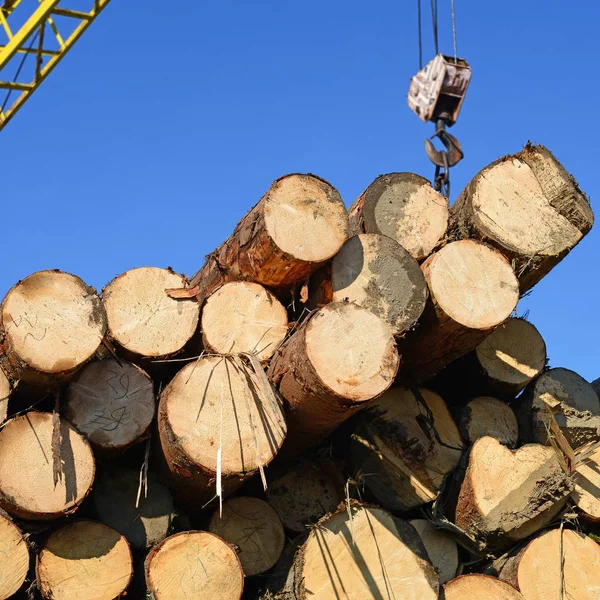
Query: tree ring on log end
point(486, 416)
point(14, 559)
point(479, 587)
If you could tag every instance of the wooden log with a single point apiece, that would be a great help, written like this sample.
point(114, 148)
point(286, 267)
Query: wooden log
point(472, 291)
point(404, 207)
point(217, 414)
point(5, 390)
point(558, 564)
point(194, 565)
point(485, 416)
point(305, 493)
point(51, 323)
point(243, 316)
point(506, 495)
point(143, 319)
point(377, 273)
point(296, 226)
point(571, 399)
point(479, 587)
point(370, 554)
point(340, 358)
point(84, 559)
point(112, 404)
point(405, 443)
point(252, 526)
point(441, 549)
point(528, 207)
point(27, 487)
point(143, 515)
point(586, 495)
point(14, 559)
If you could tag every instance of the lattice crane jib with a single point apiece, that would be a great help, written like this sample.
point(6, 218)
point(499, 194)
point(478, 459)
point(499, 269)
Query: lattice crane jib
point(34, 37)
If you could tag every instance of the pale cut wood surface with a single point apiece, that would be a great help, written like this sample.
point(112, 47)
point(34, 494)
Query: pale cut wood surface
point(587, 487)
point(14, 558)
point(479, 587)
point(441, 549)
point(486, 416)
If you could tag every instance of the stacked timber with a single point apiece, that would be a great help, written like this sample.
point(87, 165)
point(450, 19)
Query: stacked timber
point(339, 404)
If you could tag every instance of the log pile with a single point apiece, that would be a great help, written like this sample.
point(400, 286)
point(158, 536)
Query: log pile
point(340, 404)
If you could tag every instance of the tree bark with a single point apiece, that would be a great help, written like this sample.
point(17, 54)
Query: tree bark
point(405, 444)
point(528, 207)
point(404, 207)
point(472, 291)
point(194, 564)
point(112, 404)
point(441, 549)
point(485, 416)
point(51, 324)
point(5, 391)
point(27, 487)
point(84, 559)
point(252, 526)
point(506, 495)
point(479, 587)
point(14, 565)
point(340, 358)
point(375, 272)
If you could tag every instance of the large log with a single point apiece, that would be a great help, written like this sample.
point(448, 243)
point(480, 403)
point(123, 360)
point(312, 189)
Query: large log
point(404, 207)
point(362, 553)
point(377, 273)
point(340, 358)
point(405, 444)
point(51, 323)
point(528, 207)
point(479, 587)
point(243, 316)
point(441, 549)
point(143, 319)
point(472, 290)
point(111, 403)
point(252, 526)
point(217, 418)
point(296, 226)
point(485, 416)
point(84, 559)
point(557, 565)
point(193, 565)
point(14, 559)
point(27, 486)
point(506, 495)
point(570, 398)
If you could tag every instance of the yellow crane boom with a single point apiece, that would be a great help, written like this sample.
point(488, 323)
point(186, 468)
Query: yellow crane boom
point(39, 34)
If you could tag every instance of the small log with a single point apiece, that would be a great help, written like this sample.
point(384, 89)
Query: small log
point(217, 415)
point(375, 272)
point(404, 207)
point(571, 399)
point(5, 390)
point(111, 403)
point(27, 487)
point(506, 495)
point(479, 587)
point(143, 514)
point(485, 416)
point(14, 563)
point(528, 207)
point(254, 527)
point(51, 323)
point(243, 316)
point(143, 319)
point(340, 358)
point(306, 493)
point(84, 559)
point(405, 444)
point(557, 564)
point(194, 564)
point(441, 549)
point(365, 554)
point(296, 226)
point(472, 291)
point(587, 487)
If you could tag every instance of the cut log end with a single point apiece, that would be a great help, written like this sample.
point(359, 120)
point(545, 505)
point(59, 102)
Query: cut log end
point(53, 323)
point(254, 527)
point(84, 560)
point(587, 485)
point(479, 587)
point(192, 565)
point(111, 403)
point(243, 317)
point(27, 488)
point(14, 563)
point(441, 549)
point(404, 207)
point(143, 318)
point(485, 416)
point(377, 273)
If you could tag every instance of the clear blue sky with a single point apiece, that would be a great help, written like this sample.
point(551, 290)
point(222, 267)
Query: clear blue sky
point(169, 120)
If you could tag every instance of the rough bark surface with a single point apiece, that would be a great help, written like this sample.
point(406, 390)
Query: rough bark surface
point(485, 416)
point(5, 390)
point(479, 587)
